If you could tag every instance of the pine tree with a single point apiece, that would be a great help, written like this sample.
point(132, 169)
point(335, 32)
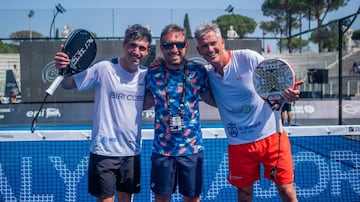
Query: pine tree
point(187, 27)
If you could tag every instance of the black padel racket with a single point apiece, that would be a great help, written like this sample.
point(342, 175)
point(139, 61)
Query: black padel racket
point(271, 78)
point(81, 48)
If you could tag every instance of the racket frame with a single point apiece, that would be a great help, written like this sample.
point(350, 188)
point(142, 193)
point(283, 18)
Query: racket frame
point(75, 55)
point(279, 77)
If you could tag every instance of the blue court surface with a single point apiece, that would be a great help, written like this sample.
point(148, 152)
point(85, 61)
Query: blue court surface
point(51, 165)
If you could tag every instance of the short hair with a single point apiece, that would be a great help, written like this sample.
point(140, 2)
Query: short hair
point(206, 27)
point(137, 32)
point(172, 28)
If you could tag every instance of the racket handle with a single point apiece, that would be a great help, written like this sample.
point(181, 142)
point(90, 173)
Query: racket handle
point(278, 120)
point(54, 85)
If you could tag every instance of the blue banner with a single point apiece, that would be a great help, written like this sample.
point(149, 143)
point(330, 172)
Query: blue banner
point(326, 169)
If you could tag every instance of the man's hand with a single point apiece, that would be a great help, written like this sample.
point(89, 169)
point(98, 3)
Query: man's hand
point(61, 59)
point(290, 95)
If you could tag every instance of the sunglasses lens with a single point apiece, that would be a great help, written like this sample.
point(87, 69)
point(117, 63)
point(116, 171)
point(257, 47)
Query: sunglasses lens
point(180, 45)
point(170, 45)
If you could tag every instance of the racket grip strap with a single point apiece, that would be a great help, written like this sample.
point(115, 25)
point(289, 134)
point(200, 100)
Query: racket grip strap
point(54, 85)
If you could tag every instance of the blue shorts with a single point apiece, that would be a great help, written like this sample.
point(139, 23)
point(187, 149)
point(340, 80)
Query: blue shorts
point(185, 171)
point(107, 174)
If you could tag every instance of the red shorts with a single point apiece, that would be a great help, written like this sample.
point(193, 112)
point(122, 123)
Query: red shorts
point(245, 160)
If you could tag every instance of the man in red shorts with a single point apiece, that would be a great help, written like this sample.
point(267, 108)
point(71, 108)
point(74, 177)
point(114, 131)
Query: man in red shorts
point(248, 120)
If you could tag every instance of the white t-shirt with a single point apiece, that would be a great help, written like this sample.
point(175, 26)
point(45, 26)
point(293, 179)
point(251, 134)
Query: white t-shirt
point(245, 115)
point(118, 103)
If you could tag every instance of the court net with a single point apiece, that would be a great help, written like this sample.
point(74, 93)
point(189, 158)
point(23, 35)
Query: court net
point(51, 165)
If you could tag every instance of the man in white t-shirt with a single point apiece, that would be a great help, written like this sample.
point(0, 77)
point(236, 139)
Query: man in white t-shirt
point(248, 120)
point(119, 85)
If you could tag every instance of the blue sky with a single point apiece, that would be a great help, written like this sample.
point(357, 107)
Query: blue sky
point(110, 18)
point(206, 4)
point(95, 14)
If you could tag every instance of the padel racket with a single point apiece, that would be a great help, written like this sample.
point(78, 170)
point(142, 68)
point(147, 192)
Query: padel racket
point(271, 78)
point(81, 48)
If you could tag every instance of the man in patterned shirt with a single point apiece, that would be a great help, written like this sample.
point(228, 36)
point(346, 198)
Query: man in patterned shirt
point(175, 86)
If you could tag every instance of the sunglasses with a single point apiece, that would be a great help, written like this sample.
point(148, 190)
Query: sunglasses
point(170, 45)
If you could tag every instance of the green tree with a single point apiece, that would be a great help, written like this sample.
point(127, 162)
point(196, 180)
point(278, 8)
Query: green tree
point(242, 25)
point(296, 43)
point(24, 35)
point(286, 12)
point(187, 27)
point(4, 48)
point(356, 34)
point(292, 11)
point(328, 35)
point(275, 27)
point(318, 10)
point(57, 35)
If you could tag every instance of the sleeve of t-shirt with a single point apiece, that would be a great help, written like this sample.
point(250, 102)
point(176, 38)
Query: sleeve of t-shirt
point(203, 80)
point(254, 58)
point(89, 78)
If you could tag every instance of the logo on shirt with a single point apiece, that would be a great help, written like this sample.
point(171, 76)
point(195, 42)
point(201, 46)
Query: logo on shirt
point(123, 96)
point(192, 75)
point(232, 129)
point(243, 109)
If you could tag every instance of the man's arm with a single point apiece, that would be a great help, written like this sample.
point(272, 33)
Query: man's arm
point(208, 98)
point(68, 83)
point(148, 101)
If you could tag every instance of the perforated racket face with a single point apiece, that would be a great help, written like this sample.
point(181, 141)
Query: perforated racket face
point(272, 77)
point(81, 48)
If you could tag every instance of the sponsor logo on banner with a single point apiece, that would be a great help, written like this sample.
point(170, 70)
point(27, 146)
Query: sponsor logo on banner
point(351, 109)
point(47, 113)
point(354, 129)
point(49, 72)
point(304, 109)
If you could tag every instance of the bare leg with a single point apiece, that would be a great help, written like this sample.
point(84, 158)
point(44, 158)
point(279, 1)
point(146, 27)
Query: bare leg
point(110, 199)
point(123, 197)
point(245, 194)
point(160, 198)
point(287, 192)
point(282, 118)
point(192, 199)
point(289, 118)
